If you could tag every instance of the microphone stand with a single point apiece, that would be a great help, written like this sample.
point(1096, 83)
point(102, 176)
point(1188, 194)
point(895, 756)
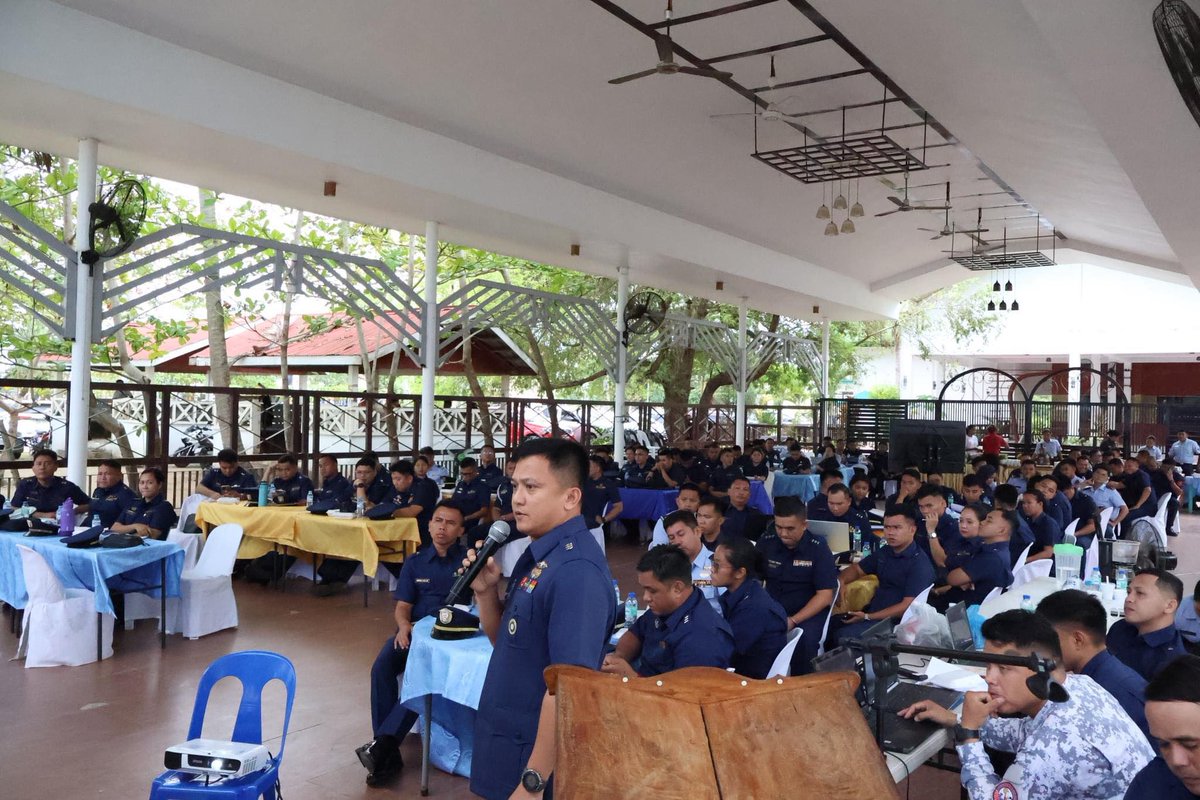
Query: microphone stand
point(883, 650)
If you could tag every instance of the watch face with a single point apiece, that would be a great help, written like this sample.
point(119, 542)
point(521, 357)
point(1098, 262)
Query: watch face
point(532, 781)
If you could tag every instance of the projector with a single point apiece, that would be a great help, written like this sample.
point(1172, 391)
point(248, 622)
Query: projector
point(217, 759)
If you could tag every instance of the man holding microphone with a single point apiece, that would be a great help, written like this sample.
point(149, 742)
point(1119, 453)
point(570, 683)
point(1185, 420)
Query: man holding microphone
point(559, 609)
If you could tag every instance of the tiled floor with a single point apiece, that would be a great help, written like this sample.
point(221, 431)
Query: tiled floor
point(99, 730)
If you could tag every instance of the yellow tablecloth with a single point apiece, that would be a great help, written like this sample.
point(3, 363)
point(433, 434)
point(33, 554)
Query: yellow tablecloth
point(364, 540)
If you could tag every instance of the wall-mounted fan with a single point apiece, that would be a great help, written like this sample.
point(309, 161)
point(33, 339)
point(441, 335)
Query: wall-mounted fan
point(667, 65)
point(644, 314)
point(1178, 30)
point(116, 220)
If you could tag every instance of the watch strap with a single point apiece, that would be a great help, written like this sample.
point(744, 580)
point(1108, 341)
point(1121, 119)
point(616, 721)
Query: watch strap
point(961, 734)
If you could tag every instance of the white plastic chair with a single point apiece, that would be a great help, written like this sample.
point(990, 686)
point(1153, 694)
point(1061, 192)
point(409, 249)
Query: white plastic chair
point(1069, 532)
point(206, 603)
point(782, 665)
point(1092, 557)
point(923, 597)
point(1159, 521)
point(59, 627)
point(1034, 569)
point(1021, 558)
point(837, 591)
point(993, 593)
point(139, 605)
point(1106, 514)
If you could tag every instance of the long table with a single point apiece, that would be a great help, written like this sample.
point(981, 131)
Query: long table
point(268, 528)
point(153, 568)
point(803, 486)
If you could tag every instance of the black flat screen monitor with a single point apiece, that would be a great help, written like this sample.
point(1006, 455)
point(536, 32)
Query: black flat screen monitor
point(932, 445)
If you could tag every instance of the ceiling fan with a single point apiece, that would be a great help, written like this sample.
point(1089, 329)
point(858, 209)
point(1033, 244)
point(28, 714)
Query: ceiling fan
point(772, 113)
point(949, 229)
point(666, 59)
point(906, 205)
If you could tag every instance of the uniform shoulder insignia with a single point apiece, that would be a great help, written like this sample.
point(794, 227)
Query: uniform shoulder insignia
point(569, 546)
point(686, 619)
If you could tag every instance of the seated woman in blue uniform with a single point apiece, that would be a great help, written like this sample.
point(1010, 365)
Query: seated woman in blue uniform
point(680, 628)
point(758, 622)
point(151, 515)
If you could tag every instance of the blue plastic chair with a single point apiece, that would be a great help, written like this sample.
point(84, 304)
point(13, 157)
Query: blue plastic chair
point(255, 669)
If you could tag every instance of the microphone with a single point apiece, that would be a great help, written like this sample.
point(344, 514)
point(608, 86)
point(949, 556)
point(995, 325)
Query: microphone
point(496, 536)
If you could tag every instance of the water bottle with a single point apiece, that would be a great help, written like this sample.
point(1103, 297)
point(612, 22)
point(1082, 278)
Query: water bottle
point(308, 501)
point(856, 542)
point(866, 546)
point(360, 508)
point(631, 609)
point(1092, 584)
point(1027, 603)
point(66, 517)
point(1122, 580)
point(95, 523)
point(264, 489)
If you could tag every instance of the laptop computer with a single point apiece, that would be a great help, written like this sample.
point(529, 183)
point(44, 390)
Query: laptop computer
point(835, 534)
point(960, 628)
point(899, 735)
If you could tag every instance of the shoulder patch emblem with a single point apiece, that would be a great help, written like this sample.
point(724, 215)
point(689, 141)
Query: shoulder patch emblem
point(570, 546)
point(1005, 790)
point(512, 629)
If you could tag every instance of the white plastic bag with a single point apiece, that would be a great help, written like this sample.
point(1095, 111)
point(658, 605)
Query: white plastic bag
point(925, 627)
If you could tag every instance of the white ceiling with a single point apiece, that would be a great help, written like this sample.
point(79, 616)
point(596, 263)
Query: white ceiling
point(496, 119)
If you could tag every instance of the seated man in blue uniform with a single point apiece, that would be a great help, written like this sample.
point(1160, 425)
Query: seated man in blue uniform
point(111, 496)
point(937, 530)
point(412, 498)
point(474, 498)
point(819, 501)
point(982, 564)
point(903, 569)
point(601, 498)
point(635, 474)
point(335, 573)
point(936, 478)
point(1046, 532)
point(424, 582)
point(1007, 498)
point(665, 474)
point(559, 609)
point(1080, 621)
point(45, 491)
point(679, 629)
point(1058, 505)
point(688, 499)
point(758, 622)
point(801, 576)
point(502, 503)
point(1147, 639)
point(860, 492)
point(839, 507)
point(227, 479)
point(1084, 512)
point(1173, 713)
point(683, 531)
point(796, 462)
point(721, 477)
point(742, 519)
point(151, 515)
point(973, 491)
point(289, 486)
point(489, 471)
point(1134, 485)
point(907, 486)
point(335, 487)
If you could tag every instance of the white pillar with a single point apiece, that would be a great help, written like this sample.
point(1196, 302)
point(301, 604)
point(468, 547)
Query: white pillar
point(742, 376)
point(825, 359)
point(1073, 388)
point(619, 396)
point(429, 346)
point(81, 351)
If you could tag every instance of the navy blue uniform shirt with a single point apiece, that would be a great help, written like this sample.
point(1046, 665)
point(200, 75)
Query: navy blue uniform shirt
point(655, 480)
point(1119, 680)
point(49, 497)
point(635, 476)
point(818, 505)
point(1133, 485)
point(988, 567)
point(1018, 543)
point(504, 495)
point(795, 574)
point(110, 502)
point(597, 495)
point(853, 517)
point(1145, 654)
point(1059, 507)
point(560, 609)
point(1156, 782)
point(947, 531)
point(335, 488)
point(471, 496)
point(796, 466)
point(759, 471)
point(748, 522)
point(693, 635)
point(376, 492)
point(424, 493)
point(1083, 508)
point(1046, 532)
point(295, 490)
point(901, 575)
point(426, 578)
point(218, 481)
point(491, 475)
point(156, 512)
point(759, 628)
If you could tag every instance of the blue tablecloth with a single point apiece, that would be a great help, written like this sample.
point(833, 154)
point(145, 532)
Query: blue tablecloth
point(453, 672)
point(87, 568)
point(1191, 488)
point(651, 504)
point(803, 486)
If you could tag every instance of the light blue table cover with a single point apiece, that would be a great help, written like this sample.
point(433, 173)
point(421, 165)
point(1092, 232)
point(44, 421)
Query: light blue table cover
point(87, 568)
point(803, 486)
point(453, 672)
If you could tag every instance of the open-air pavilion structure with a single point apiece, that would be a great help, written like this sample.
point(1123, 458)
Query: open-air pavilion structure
point(1055, 127)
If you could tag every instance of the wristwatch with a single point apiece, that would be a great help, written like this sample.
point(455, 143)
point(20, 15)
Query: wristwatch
point(933, 534)
point(962, 734)
point(533, 781)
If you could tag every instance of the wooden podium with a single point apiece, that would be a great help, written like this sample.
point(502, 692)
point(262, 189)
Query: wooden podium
point(703, 733)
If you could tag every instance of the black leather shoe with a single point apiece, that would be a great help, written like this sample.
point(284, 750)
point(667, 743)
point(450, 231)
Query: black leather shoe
point(382, 763)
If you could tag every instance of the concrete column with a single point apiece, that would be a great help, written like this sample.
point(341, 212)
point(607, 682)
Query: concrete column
point(81, 350)
point(743, 377)
point(429, 345)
